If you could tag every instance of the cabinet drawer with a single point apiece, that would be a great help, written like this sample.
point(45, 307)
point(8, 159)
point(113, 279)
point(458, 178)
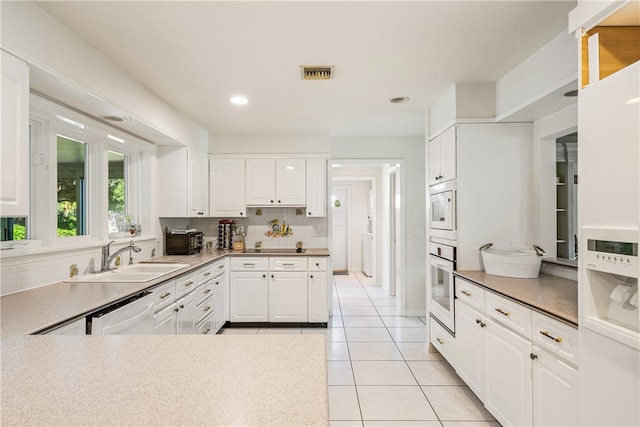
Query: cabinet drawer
point(164, 295)
point(443, 341)
point(204, 274)
point(219, 267)
point(204, 309)
point(185, 284)
point(555, 337)
point(249, 264)
point(470, 294)
point(317, 264)
point(288, 264)
point(204, 291)
point(205, 326)
point(509, 313)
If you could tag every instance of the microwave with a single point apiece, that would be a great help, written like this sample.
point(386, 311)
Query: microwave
point(442, 210)
point(183, 243)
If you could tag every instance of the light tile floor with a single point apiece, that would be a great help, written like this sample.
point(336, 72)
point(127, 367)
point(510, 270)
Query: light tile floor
point(379, 370)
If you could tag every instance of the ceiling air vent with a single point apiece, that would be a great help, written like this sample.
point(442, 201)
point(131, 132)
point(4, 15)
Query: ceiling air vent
point(317, 72)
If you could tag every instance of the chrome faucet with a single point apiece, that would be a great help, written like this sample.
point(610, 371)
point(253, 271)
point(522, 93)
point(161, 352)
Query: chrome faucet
point(107, 258)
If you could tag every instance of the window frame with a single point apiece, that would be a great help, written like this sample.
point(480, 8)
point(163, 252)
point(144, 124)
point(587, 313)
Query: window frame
point(42, 219)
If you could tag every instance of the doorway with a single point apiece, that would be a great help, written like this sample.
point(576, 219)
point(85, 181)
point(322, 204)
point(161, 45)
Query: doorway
point(340, 229)
point(374, 222)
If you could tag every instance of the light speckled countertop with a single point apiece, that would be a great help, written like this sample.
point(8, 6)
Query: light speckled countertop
point(551, 295)
point(152, 380)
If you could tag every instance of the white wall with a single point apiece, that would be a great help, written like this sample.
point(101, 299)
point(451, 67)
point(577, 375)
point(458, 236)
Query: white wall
point(550, 68)
point(34, 36)
point(250, 143)
point(411, 151)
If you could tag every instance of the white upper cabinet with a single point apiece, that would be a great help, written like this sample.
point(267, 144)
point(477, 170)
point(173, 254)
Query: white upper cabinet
point(275, 182)
point(316, 187)
point(227, 187)
point(14, 158)
point(183, 183)
point(442, 157)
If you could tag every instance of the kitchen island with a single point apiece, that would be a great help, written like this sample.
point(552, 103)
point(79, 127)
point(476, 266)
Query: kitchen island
point(153, 379)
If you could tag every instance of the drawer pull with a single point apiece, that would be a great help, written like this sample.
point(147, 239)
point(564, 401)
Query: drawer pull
point(163, 296)
point(207, 331)
point(481, 323)
point(206, 291)
point(188, 284)
point(207, 273)
point(440, 340)
point(220, 266)
point(290, 265)
point(466, 293)
point(317, 264)
point(248, 264)
point(499, 310)
point(546, 334)
point(207, 308)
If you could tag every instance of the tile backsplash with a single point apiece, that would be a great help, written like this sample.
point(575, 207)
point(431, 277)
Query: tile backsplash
point(313, 232)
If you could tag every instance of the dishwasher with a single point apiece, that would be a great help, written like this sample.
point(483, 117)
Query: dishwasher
point(131, 316)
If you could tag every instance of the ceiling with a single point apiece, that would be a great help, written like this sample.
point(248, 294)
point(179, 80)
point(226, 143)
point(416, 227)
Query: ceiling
point(196, 55)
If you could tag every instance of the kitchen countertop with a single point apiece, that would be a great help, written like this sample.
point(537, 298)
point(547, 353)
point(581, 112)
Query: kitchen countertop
point(152, 380)
point(551, 295)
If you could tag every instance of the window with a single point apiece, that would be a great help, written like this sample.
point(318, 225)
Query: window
point(72, 189)
point(119, 221)
point(13, 228)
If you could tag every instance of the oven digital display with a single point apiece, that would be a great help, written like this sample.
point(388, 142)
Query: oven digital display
point(609, 247)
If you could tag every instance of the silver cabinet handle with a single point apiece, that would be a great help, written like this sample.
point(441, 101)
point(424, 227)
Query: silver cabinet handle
point(546, 334)
point(163, 296)
point(499, 310)
point(289, 265)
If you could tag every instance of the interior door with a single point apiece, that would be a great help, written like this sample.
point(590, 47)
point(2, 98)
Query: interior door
point(340, 229)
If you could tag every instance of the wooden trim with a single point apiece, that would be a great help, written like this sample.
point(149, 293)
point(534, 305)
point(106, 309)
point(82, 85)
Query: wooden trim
point(619, 47)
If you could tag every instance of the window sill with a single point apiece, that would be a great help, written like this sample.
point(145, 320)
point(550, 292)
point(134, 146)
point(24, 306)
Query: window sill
point(34, 247)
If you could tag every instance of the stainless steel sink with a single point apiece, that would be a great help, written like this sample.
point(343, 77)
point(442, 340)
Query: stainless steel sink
point(135, 273)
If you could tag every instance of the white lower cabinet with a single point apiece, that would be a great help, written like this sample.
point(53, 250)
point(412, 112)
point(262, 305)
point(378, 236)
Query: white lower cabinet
point(470, 343)
point(317, 297)
point(288, 296)
point(508, 381)
point(248, 297)
point(555, 390)
point(165, 321)
point(521, 364)
point(186, 315)
point(221, 284)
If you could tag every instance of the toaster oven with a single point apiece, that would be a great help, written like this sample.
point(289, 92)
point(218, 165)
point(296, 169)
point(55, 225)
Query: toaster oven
point(188, 243)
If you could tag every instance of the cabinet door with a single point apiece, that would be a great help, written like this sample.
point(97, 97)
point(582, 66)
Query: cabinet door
point(248, 297)
point(165, 321)
point(186, 315)
point(221, 301)
point(290, 182)
point(448, 154)
point(508, 383)
point(198, 184)
point(470, 338)
point(172, 176)
point(316, 187)
point(260, 182)
point(318, 297)
point(288, 297)
point(226, 188)
point(434, 160)
point(14, 146)
point(555, 391)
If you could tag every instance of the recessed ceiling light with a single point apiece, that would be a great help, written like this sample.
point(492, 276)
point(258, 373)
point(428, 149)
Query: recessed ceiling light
point(239, 100)
point(571, 93)
point(115, 119)
point(399, 100)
